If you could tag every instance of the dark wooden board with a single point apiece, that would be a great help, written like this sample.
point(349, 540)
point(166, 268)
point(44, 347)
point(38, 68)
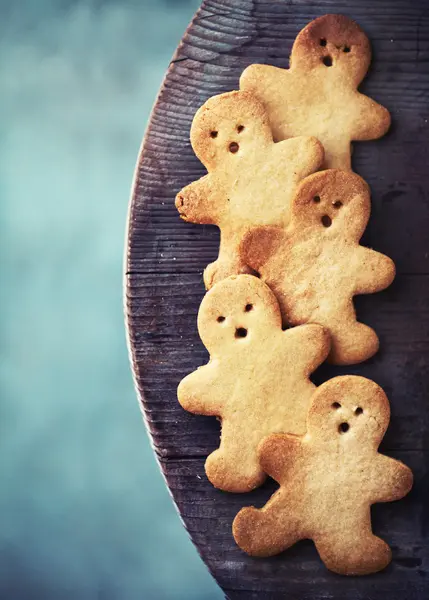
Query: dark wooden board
point(166, 257)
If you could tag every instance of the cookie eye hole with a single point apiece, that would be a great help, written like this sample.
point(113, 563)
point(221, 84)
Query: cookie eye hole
point(343, 427)
point(316, 199)
point(327, 61)
point(213, 134)
point(336, 405)
point(240, 332)
point(248, 307)
point(337, 204)
point(220, 319)
point(240, 128)
point(234, 147)
point(346, 49)
point(323, 42)
point(326, 221)
point(358, 410)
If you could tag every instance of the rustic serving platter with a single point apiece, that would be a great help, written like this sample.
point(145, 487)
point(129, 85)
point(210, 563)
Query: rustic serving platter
point(166, 257)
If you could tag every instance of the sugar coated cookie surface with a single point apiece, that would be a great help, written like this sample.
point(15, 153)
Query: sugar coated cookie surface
point(257, 380)
point(318, 94)
point(328, 480)
point(316, 265)
point(250, 180)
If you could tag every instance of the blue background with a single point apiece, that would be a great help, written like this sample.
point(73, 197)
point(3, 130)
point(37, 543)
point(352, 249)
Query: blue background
point(84, 510)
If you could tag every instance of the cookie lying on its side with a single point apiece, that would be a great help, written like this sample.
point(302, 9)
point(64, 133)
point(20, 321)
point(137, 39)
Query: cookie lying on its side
point(257, 380)
point(316, 265)
point(250, 180)
point(328, 480)
point(318, 94)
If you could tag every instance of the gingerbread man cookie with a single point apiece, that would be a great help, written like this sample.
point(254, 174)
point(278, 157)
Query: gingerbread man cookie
point(316, 265)
point(250, 180)
point(328, 480)
point(257, 380)
point(318, 94)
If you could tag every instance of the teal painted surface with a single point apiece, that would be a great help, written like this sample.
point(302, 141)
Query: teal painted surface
point(84, 513)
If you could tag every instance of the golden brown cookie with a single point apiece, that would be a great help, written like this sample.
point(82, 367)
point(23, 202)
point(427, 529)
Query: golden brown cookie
point(328, 480)
point(318, 94)
point(316, 265)
point(257, 380)
point(250, 180)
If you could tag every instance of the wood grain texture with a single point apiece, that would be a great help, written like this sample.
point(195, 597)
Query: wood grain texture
point(166, 257)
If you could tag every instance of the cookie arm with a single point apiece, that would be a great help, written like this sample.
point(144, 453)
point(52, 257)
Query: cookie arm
point(305, 153)
point(199, 202)
point(277, 454)
point(309, 345)
point(259, 77)
point(259, 245)
point(391, 479)
point(373, 271)
point(372, 120)
point(201, 391)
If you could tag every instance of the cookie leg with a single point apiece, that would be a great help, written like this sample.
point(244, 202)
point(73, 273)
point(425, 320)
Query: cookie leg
point(234, 467)
point(349, 553)
point(352, 343)
point(265, 532)
point(337, 154)
point(222, 268)
point(229, 261)
point(233, 470)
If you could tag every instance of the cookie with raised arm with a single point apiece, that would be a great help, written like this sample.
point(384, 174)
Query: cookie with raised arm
point(318, 95)
point(316, 265)
point(250, 180)
point(329, 478)
point(257, 380)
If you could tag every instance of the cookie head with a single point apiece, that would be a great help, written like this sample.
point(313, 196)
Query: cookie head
point(237, 312)
point(336, 46)
point(228, 126)
point(349, 410)
point(334, 202)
